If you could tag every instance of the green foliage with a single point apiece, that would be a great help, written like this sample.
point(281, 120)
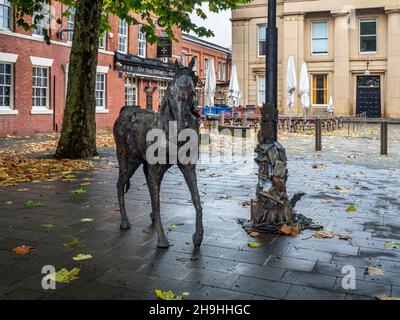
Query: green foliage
point(171, 13)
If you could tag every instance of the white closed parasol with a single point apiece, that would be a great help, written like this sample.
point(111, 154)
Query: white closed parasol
point(291, 82)
point(304, 87)
point(210, 85)
point(331, 106)
point(234, 93)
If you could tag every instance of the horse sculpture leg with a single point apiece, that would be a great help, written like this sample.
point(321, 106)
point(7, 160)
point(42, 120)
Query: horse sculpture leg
point(189, 172)
point(155, 176)
point(146, 174)
point(127, 168)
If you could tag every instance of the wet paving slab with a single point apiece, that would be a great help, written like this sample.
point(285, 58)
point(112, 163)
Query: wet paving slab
point(127, 265)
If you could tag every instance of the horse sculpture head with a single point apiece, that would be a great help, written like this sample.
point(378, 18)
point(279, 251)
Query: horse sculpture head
point(178, 103)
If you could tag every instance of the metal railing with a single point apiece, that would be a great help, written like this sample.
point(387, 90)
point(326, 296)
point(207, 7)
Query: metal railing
point(357, 123)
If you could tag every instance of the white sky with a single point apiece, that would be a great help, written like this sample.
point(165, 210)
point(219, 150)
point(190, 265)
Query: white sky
point(219, 23)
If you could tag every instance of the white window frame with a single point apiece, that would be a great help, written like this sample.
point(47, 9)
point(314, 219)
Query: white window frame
point(162, 90)
point(260, 79)
point(196, 64)
point(42, 23)
point(3, 5)
point(359, 35)
point(11, 106)
point(220, 66)
point(104, 91)
point(103, 39)
point(71, 23)
point(312, 38)
point(259, 26)
point(123, 34)
point(41, 108)
point(312, 89)
point(142, 43)
point(129, 86)
point(224, 71)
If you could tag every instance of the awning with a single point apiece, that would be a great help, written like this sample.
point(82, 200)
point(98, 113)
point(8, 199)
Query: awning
point(143, 68)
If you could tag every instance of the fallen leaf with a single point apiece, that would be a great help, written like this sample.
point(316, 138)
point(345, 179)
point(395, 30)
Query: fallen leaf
point(344, 237)
point(385, 297)
point(392, 245)
point(47, 225)
point(254, 234)
point(23, 190)
point(323, 235)
point(254, 244)
point(314, 166)
point(374, 271)
point(23, 249)
point(79, 191)
point(82, 256)
point(172, 227)
point(85, 183)
point(65, 276)
point(290, 230)
point(87, 220)
point(8, 202)
point(32, 204)
point(169, 295)
point(225, 197)
point(351, 208)
point(246, 203)
point(328, 201)
point(73, 243)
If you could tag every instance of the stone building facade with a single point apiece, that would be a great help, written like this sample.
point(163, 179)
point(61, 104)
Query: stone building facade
point(352, 51)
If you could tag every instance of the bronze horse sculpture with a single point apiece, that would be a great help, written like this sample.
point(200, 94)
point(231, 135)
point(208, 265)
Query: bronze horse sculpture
point(130, 131)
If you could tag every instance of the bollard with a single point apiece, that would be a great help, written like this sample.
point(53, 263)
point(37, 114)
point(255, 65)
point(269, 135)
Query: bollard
point(384, 138)
point(244, 121)
point(214, 125)
point(222, 119)
point(318, 135)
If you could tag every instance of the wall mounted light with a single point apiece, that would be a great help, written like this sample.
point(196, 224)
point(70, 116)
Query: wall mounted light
point(367, 72)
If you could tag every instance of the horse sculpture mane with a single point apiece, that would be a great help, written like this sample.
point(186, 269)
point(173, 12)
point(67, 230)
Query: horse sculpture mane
point(130, 132)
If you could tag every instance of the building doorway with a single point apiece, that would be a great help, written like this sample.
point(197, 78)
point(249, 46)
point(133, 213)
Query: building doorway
point(369, 96)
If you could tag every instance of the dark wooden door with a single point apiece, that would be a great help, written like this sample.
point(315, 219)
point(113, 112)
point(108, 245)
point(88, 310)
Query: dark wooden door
point(369, 96)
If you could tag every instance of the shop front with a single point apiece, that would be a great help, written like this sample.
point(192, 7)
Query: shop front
point(146, 80)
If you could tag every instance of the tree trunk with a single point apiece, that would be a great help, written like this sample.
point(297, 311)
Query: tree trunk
point(78, 135)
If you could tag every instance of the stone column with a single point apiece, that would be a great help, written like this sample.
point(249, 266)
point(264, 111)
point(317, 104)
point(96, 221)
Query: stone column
point(393, 63)
point(341, 80)
point(293, 45)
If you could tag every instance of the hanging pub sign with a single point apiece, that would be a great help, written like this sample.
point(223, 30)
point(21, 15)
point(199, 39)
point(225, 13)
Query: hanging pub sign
point(164, 49)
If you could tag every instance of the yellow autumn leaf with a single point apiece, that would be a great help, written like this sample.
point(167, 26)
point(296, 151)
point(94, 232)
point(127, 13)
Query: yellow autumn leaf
point(87, 220)
point(351, 208)
point(65, 276)
point(374, 271)
point(254, 244)
point(169, 295)
point(82, 256)
point(385, 297)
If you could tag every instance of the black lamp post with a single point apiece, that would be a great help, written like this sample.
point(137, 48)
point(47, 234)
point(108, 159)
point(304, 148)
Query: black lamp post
point(269, 112)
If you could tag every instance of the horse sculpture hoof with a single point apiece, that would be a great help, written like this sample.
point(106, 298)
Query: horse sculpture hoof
point(163, 243)
point(197, 239)
point(125, 226)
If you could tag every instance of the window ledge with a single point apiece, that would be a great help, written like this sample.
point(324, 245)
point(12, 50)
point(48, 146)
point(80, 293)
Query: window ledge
point(41, 111)
point(8, 112)
point(101, 111)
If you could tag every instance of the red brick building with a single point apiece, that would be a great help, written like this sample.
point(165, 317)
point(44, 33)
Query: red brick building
point(33, 75)
point(206, 52)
